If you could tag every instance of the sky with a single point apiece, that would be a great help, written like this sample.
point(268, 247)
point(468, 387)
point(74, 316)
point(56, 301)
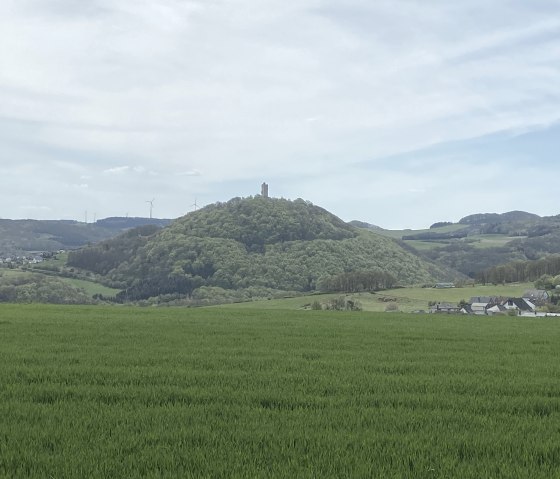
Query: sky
point(399, 113)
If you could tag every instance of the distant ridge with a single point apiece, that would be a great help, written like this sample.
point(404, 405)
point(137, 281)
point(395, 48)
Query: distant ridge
point(510, 216)
point(122, 222)
point(364, 225)
point(20, 236)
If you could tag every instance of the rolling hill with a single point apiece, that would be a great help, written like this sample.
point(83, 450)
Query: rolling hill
point(480, 241)
point(246, 248)
point(22, 236)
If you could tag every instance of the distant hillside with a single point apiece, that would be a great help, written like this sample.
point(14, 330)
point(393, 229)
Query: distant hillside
point(122, 223)
point(257, 246)
point(364, 225)
point(509, 217)
point(21, 236)
point(482, 241)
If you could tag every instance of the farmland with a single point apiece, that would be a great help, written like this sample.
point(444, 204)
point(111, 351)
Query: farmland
point(218, 392)
point(407, 299)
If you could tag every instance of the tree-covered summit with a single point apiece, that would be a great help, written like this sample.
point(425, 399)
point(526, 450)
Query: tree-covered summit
point(257, 221)
point(247, 248)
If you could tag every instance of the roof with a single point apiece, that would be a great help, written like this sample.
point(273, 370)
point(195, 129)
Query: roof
point(497, 308)
point(481, 299)
point(447, 306)
point(536, 295)
point(521, 304)
point(535, 292)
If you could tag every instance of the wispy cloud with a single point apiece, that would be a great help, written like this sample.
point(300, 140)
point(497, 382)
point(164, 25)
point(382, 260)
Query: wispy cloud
point(117, 170)
point(190, 173)
point(279, 90)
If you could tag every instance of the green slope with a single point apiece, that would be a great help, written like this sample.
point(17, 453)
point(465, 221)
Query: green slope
point(258, 245)
point(20, 236)
point(481, 241)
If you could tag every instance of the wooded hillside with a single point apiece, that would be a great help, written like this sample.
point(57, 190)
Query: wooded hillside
point(260, 245)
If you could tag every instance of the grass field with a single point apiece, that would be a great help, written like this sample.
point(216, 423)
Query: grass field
point(426, 245)
point(122, 392)
point(398, 234)
point(407, 299)
point(492, 241)
point(477, 241)
point(89, 287)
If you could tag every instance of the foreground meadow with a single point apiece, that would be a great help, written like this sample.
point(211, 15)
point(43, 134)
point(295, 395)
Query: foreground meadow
point(122, 392)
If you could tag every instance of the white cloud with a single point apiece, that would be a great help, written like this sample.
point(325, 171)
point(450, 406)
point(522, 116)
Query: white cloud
point(117, 170)
point(190, 173)
point(279, 90)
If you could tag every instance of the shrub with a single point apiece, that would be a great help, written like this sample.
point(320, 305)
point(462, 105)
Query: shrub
point(316, 306)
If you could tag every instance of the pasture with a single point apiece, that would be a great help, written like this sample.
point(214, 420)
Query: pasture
point(130, 392)
point(480, 241)
point(407, 299)
point(89, 287)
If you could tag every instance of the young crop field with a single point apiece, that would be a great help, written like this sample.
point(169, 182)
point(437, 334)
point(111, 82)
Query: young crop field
point(217, 392)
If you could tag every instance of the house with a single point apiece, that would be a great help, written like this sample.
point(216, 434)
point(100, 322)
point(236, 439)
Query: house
point(537, 296)
point(479, 308)
point(496, 309)
point(481, 299)
point(521, 305)
point(467, 309)
point(448, 308)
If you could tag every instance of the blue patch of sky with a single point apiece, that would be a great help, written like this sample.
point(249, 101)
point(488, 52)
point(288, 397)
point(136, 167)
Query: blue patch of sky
point(540, 147)
point(512, 47)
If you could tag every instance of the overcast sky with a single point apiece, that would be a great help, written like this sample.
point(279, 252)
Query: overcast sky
point(399, 113)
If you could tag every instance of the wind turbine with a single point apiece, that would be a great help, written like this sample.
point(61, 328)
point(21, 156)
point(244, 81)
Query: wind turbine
point(151, 206)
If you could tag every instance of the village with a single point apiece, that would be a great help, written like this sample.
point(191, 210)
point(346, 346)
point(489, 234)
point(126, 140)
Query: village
point(530, 304)
point(32, 257)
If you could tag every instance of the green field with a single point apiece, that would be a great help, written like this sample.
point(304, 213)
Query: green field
point(123, 392)
point(477, 241)
point(426, 245)
point(89, 287)
point(492, 241)
point(407, 299)
point(398, 234)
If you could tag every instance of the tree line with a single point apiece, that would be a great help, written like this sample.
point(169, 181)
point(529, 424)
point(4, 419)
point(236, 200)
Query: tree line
point(520, 271)
point(357, 281)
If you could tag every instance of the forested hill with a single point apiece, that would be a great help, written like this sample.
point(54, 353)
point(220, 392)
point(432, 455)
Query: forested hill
point(258, 221)
point(481, 241)
point(256, 246)
point(21, 236)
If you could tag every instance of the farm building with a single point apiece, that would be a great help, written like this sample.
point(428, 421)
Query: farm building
point(537, 296)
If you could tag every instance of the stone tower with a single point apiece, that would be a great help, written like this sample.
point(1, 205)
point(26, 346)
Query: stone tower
point(264, 190)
